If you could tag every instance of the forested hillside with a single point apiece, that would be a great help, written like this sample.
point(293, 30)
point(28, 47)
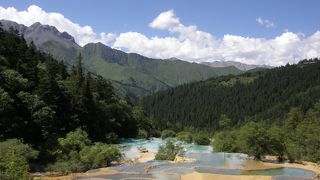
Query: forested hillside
point(41, 102)
point(264, 96)
point(40, 99)
point(130, 73)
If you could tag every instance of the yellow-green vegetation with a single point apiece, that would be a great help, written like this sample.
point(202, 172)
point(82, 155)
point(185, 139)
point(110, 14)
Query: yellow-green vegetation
point(76, 153)
point(296, 138)
point(14, 159)
point(168, 151)
point(239, 79)
point(167, 133)
point(201, 139)
point(184, 136)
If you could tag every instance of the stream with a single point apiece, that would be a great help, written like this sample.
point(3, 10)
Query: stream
point(207, 161)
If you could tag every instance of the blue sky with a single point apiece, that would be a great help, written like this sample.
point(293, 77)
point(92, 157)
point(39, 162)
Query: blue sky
point(218, 18)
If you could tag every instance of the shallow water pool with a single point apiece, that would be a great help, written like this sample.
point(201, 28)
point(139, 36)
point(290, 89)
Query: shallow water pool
point(285, 171)
point(207, 161)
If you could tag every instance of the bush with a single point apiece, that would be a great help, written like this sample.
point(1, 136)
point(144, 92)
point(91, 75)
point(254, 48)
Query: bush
point(13, 166)
point(254, 139)
point(167, 133)
point(225, 142)
point(76, 153)
point(74, 141)
point(143, 134)
point(99, 155)
point(14, 157)
point(111, 138)
point(67, 166)
point(184, 136)
point(201, 139)
point(168, 151)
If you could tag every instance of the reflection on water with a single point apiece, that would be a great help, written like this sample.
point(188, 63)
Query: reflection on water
point(207, 162)
point(266, 172)
point(228, 160)
point(136, 176)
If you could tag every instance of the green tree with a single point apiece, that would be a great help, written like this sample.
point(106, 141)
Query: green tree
point(74, 141)
point(254, 139)
point(293, 141)
point(225, 141)
point(168, 151)
point(167, 133)
point(13, 166)
point(184, 136)
point(224, 122)
point(99, 155)
point(201, 139)
point(14, 159)
point(276, 145)
point(294, 117)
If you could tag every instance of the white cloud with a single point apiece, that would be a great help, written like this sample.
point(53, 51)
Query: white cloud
point(186, 42)
point(189, 43)
point(165, 20)
point(265, 22)
point(82, 34)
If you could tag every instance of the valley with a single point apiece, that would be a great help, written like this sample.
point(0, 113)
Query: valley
point(141, 94)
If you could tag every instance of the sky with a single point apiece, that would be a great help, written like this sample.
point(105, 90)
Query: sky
point(270, 32)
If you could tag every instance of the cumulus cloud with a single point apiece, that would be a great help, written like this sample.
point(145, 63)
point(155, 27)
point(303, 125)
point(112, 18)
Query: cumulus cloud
point(189, 43)
point(82, 34)
point(185, 42)
point(265, 22)
point(165, 20)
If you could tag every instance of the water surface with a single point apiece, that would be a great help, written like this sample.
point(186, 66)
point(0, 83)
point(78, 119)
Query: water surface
point(207, 161)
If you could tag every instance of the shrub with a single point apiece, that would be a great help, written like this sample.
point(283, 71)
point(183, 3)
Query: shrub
point(184, 136)
point(111, 138)
point(225, 142)
point(14, 157)
point(201, 139)
point(143, 134)
point(167, 133)
point(76, 153)
point(67, 166)
point(74, 141)
point(99, 155)
point(168, 151)
point(254, 139)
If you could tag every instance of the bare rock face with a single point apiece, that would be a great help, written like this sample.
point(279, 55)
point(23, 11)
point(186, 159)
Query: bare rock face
point(40, 34)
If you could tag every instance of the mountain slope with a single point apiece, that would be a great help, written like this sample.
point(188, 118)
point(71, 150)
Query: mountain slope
point(241, 66)
point(132, 73)
point(266, 95)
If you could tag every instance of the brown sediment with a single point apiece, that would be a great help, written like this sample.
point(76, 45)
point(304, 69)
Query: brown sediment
point(147, 169)
point(250, 165)
point(259, 165)
point(102, 171)
point(181, 159)
point(145, 157)
point(303, 165)
point(208, 176)
point(253, 165)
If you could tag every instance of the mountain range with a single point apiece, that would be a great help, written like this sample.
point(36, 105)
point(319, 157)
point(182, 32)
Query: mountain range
point(238, 65)
point(132, 74)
